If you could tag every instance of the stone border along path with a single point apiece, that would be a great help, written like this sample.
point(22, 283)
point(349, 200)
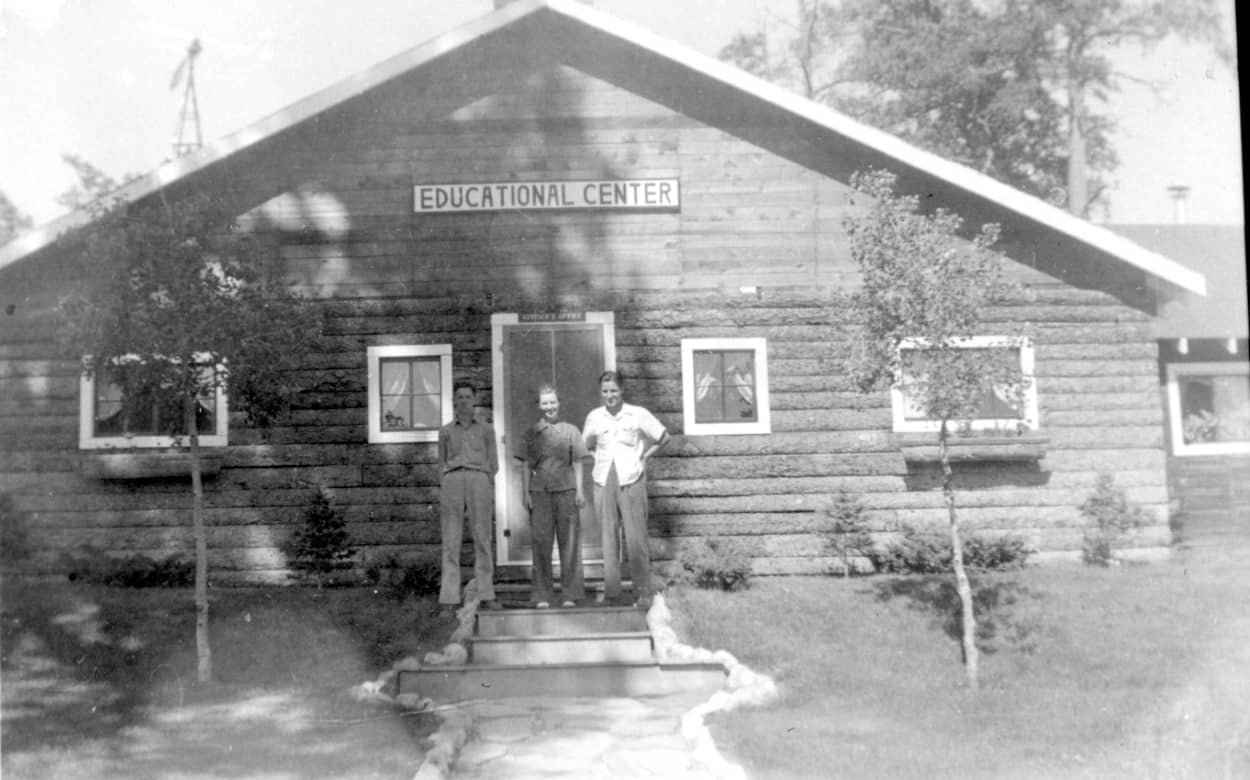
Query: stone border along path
point(579, 737)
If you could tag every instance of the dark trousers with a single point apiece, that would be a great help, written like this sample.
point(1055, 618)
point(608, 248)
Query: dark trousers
point(555, 518)
point(625, 505)
point(467, 496)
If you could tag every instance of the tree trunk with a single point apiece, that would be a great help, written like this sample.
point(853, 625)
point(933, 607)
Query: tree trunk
point(203, 652)
point(963, 587)
point(1078, 184)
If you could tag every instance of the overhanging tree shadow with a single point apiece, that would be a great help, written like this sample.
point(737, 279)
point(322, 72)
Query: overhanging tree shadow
point(1004, 608)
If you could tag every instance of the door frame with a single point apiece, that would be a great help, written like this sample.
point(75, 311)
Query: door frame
point(500, 323)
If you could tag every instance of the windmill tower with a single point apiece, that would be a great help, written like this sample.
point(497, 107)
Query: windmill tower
point(189, 116)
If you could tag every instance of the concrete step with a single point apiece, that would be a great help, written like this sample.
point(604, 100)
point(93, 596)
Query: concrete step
point(446, 684)
point(561, 621)
point(630, 647)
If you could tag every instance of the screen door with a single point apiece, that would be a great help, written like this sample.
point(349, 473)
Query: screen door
point(568, 352)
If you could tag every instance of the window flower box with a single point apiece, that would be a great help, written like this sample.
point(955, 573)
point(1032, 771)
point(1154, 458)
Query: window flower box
point(145, 465)
point(924, 448)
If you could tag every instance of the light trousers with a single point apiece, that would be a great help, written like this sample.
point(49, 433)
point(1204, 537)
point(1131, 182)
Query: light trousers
point(626, 506)
point(467, 496)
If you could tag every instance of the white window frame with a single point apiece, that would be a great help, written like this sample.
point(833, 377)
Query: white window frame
point(763, 421)
point(1176, 425)
point(87, 440)
point(1029, 415)
point(375, 356)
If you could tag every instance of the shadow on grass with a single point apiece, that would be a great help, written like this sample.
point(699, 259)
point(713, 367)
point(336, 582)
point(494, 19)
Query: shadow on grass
point(1002, 607)
point(95, 678)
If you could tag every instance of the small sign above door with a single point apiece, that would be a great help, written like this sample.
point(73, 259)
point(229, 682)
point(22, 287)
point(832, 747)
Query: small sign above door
point(627, 194)
point(552, 316)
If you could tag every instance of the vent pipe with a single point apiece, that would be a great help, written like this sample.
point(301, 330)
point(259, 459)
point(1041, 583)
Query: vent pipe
point(1179, 193)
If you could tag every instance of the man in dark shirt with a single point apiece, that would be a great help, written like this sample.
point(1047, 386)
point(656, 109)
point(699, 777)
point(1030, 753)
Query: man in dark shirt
point(468, 460)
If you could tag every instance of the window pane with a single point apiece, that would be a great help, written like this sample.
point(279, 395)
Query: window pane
point(426, 376)
point(395, 375)
point(396, 413)
point(1215, 408)
point(411, 394)
point(108, 408)
point(724, 387)
point(427, 411)
point(739, 376)
point(999, 403)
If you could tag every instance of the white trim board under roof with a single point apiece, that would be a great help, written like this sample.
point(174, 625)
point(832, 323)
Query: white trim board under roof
point(577, 35)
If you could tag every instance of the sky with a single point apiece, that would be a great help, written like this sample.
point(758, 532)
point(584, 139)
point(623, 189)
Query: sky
point(92, 78)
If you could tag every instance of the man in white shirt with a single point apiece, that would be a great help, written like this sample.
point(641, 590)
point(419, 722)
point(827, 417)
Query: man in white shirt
point(622, 437)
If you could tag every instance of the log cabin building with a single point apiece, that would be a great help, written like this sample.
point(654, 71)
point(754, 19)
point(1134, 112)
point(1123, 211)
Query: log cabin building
point(549, 191)
point(1204, 370)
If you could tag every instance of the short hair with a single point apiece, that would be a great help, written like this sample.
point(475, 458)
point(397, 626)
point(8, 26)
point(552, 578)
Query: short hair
point(462, 384)
point(547, 387)
point(612, 376)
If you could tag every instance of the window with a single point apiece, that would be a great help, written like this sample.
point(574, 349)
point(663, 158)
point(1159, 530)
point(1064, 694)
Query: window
point(1209, 408)
point(1004, 408)
point(725, 386)
point(116, 412)
point(409, 392)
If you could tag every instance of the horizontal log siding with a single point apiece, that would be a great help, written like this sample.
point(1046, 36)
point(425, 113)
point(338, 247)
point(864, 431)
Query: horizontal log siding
point(337, 193)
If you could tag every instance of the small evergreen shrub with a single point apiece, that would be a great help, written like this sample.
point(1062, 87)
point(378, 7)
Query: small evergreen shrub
point(847, 532)
point(93, 566)
point(915, 552)
point(1111, 518)
point(715, 564)
point(322, 548)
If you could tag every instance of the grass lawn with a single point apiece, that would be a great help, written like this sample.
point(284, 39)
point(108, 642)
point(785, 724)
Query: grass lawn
point(1136, 671)
point(100, 682)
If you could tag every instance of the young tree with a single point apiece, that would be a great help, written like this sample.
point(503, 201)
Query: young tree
point(925, 286)
point(94, 185)
point(172, 305)
point(13, 221)
point(1017, 89)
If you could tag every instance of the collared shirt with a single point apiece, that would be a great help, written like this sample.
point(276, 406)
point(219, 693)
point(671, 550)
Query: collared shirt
point(470, 446)
point(550, 451)
point(620, 440)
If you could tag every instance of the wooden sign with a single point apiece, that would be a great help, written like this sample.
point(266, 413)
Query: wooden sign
point(554, 316)
point(616, 194)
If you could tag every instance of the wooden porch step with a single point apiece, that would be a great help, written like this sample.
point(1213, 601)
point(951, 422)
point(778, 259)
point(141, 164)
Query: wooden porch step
point(629, 647)
point(559, 621)
point(496, 681)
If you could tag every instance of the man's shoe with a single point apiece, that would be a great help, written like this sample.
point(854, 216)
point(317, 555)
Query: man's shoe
point(491, 604)
point(568, 603)
point(543, 604)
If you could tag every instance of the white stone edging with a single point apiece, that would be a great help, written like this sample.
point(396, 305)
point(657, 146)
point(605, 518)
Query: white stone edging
point(743, 688)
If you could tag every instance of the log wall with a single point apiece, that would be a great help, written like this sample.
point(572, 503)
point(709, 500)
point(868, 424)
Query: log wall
point(336, 196)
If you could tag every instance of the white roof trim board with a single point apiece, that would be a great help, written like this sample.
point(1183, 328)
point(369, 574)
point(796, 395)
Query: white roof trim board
point(959, 176)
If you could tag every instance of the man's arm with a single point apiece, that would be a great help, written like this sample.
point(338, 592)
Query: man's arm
point(656, 446)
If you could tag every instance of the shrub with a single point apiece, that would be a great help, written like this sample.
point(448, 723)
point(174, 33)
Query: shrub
point(848, 530)
point(915, 552)
point(714, 563)
point(93, 566)
point(322, 547)
point(14, 532)
point(420, 576)
point(1111, 518)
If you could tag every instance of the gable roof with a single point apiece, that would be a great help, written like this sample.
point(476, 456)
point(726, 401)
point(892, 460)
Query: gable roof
point(577, 35)
point(1218, 252)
